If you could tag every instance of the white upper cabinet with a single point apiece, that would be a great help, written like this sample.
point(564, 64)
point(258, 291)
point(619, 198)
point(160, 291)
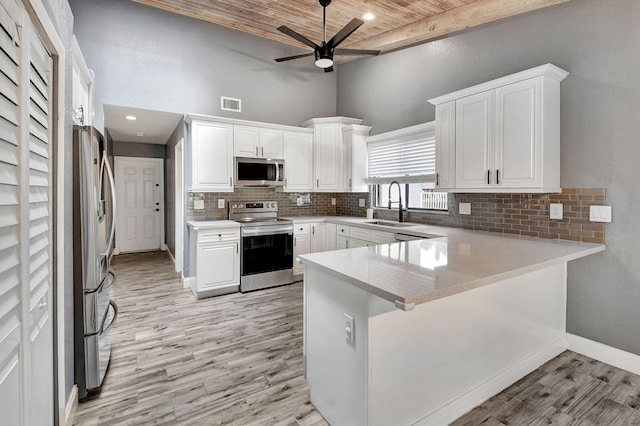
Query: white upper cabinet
point(445, 150)
point(504, 134)
point(257, 142)
point(298, 161)
point(82, 87)
point(329, 152)
point(354, 158)
point(211, 156)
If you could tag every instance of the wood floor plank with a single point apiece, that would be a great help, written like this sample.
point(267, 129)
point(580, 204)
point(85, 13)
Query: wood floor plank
point(237, 360)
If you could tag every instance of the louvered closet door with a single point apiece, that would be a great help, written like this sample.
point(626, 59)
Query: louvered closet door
point(26, 349)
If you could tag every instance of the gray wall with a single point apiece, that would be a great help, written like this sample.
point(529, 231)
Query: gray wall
point(133, 149)
point(596, 41)
point(147, 58)
point(60, 14)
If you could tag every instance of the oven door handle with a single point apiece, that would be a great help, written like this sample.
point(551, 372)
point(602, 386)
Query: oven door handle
point(270, 231)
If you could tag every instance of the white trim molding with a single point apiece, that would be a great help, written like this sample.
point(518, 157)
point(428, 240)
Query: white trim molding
point(618, 358)
point(67, 416)
point(187, 281)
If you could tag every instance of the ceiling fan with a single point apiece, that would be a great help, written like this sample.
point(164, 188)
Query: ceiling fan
point(325, 51)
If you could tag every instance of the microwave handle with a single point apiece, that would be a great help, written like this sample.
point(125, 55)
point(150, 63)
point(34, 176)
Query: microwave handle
point(277, 172)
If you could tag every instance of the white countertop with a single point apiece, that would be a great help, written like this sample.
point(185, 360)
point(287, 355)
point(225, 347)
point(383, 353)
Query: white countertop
point(414, 272)
point(197, 225)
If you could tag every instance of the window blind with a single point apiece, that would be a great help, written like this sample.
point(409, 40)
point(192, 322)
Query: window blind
point(405, 157)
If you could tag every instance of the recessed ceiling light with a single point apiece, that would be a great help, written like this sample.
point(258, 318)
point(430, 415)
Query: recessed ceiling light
point(140, 134)
point(368, 16)
point(131, 117)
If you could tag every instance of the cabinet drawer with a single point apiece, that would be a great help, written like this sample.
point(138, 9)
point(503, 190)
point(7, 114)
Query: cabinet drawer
point(360, 233)
point(380, 237)
point(343, 231)
point(301, 228)
point(218, 235)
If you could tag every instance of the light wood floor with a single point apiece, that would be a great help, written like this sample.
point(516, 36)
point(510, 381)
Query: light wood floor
point(237, 360)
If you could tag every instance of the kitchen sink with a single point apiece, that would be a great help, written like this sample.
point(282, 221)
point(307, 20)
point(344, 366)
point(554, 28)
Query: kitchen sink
point(392, 224)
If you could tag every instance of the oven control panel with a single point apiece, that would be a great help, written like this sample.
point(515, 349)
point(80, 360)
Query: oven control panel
point(260, 206)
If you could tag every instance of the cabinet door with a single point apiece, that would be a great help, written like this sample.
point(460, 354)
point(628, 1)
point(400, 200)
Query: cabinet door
point(354, 242)
point(298, 161)
point(318, 237)
point(347, 161)
point(474, 141)
point(218, 265)
point(342, 243)
point(330, 230)
point(271, 143)
point(246, 141)
point(301, 245)
point(518, 143)
point(212, 157)
point(445, 145)
point(328, 157)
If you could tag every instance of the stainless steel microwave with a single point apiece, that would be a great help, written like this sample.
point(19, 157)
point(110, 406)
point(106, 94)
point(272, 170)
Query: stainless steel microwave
point(259, 172)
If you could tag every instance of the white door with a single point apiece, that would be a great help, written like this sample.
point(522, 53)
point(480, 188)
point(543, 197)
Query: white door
point(26, 331)
point(328, 161)
point(298, 157)
point(246, 141)
point(271, 143)
point(139, 203)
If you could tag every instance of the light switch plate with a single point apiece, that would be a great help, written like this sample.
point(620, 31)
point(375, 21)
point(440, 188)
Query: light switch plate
point(198, 204)
point(600, 213)
point(555, 211)
point(464, 208)
point(361, 202)
point(349, 329)
point(221, 203)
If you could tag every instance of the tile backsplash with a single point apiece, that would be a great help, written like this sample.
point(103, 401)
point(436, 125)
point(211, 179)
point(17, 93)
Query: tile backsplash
point(520, 214)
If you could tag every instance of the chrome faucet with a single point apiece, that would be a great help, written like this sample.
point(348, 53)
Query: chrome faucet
point(399, 199)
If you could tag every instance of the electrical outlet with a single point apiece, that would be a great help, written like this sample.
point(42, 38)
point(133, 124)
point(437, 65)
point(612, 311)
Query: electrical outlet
point(349, 329)
point(221, 203)
point(299, 201)
point(333, 201)
point(361, 202)
point(600, 213)
point(464, 208)
point(198, 204)
point(555, 211)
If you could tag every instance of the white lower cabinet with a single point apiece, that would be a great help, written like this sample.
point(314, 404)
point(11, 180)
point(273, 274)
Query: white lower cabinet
point(330, 230)
point(342, 243)
point(307, 238)
point(301, 245)
point(353, 236)
point(216, 262)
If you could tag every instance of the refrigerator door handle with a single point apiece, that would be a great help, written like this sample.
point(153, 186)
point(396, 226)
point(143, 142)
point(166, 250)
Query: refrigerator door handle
point(112, 187)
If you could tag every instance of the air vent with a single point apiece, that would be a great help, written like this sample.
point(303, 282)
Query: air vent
point(230, 104)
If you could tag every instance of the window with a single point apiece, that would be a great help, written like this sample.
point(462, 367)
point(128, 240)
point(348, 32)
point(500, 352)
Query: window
point(406, 156)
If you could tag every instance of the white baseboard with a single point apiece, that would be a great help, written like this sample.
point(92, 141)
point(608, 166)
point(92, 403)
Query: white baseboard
point(171, 256)
point(465, 402)
point(186, 282)
point(66, 417)
point(604, 353)
point(163, 247)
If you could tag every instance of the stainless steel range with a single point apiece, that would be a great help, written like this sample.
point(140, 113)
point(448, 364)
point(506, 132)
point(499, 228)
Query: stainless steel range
point(266, 258)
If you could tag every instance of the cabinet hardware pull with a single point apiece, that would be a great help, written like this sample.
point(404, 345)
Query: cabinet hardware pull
point(230, 183)
point(437, 179)
point(256, 151)
point(347, 243)
point(237, 245)
point(349, 182)
point(262, 150)
point(317, 183)
point(497, 176)
point(294, 242)
point(488, 177)
point(313, 230)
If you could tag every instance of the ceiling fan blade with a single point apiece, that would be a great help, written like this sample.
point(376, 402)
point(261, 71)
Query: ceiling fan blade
point(288, 58)
point(345, 32)
point(355, 52)
point(328, 69)
point(302, 39)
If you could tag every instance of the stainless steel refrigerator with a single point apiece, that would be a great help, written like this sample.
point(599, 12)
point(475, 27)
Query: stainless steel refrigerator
point(93, 237)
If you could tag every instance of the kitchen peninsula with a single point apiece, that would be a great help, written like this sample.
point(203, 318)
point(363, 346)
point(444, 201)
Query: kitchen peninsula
point(420, 332)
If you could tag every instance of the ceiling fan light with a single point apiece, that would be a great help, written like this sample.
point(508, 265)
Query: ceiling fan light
point(324, 62)
point(324, 58)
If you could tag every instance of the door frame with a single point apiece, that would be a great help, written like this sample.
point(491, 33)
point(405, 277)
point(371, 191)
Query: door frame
point(178, 256)
point(117, 160)
point(64, 405)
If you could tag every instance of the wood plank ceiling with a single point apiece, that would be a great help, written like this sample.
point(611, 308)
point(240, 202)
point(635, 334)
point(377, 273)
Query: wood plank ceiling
point(398, 23)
